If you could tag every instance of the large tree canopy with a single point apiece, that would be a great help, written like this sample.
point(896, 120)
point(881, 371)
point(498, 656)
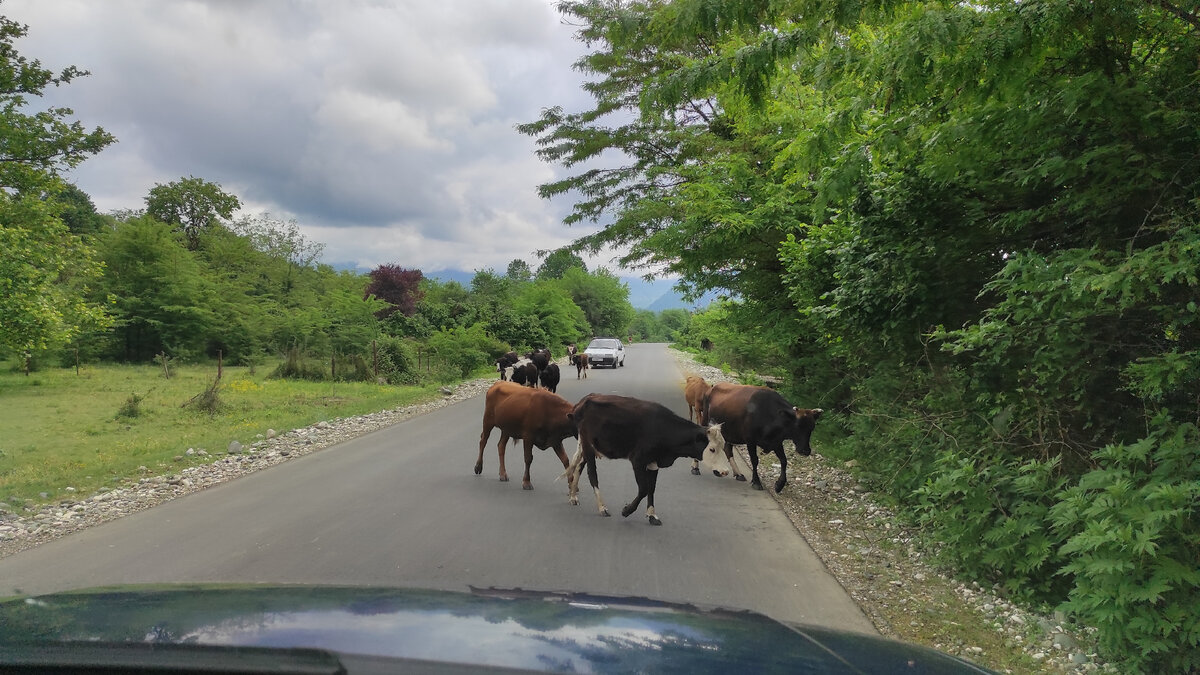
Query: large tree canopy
point(968, 228)
point(191, 205)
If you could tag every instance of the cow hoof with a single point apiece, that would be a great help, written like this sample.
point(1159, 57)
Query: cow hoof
point(740, 477)
point(655, 521)
point(503, 479)
point(779, 486)
point(756, 486)
point(605, 513)
point(526, 486)
point(626, 511)
point(718, 474)
point(573, 501)
point(478, 469)
point(695, 471)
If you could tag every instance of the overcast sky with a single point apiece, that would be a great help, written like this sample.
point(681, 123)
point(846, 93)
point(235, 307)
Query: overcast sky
point(385, 128)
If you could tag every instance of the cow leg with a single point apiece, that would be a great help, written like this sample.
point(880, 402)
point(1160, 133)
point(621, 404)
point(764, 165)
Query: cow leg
point(525, 484)
point(695, 467)
point(733, 466)
point(572, 474)
point(595, 481)
point(500, 451)
point(652, 479)
point(483, 439)
point(755, 481)
point(643, 483)
point(782, 481)
point(562, 455)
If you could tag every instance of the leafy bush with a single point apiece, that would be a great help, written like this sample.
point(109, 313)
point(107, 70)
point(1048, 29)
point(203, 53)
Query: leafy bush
point(993, 513)
point(132, 407)
point(465, 349)
point(1134, 549)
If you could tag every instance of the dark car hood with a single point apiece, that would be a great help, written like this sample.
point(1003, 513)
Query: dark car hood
point(557, 632)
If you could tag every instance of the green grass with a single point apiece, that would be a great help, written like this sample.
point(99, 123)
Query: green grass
point(59, 429)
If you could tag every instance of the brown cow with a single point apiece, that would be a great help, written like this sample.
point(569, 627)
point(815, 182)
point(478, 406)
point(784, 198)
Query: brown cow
point(694, 390)
point(761, 418)
point(535, 416)
point(580, 361)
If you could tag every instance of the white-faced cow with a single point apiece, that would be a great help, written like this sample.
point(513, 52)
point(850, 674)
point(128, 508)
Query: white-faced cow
point(649, 435)
point(760, 418)
point(505, 362)
point(536, 417)
point(525, 373)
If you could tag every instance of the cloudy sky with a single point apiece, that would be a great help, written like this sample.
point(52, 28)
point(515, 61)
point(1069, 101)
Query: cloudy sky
point(384, 127)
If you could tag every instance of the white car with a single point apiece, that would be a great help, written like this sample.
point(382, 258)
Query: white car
point(605, 352)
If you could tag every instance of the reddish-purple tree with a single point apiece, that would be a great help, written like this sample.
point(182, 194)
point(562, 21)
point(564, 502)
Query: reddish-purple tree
point(398, 287)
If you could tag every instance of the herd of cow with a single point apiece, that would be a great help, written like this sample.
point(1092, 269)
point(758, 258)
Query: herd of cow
point(648, 434)
point(538, 365)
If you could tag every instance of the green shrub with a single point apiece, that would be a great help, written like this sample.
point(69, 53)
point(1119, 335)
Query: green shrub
point(132, 407)
point(1134, 549)
point(993, 513)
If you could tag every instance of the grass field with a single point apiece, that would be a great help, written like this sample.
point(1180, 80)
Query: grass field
point(59, 429)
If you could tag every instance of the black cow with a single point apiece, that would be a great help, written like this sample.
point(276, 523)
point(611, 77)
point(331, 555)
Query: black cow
point(550, 377)
point(649, 435)
point(760, 418)
point(526, 374)
point(540, 357)
point(531, 374)
point(505, 362)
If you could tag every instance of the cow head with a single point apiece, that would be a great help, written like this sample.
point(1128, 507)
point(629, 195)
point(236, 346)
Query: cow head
point(713, 455)
point(802, 422)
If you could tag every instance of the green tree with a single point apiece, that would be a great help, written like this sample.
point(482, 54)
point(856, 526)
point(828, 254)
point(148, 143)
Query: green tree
point(558, 262)
point(282, 242)
point(45, 269)
point(191, 205)
point(163, 297)
point(36, 147)
point(77, 211)
point(603, 298)
point(555, 312)
point(518, 271)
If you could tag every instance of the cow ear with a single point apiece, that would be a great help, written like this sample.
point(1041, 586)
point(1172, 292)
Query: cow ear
point(571, 416)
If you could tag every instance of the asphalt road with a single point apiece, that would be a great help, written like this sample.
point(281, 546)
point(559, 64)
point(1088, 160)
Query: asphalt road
point(403, 507)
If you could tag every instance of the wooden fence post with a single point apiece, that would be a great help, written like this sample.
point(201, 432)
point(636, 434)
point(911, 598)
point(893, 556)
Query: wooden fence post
point(219, 368)
point(375, 356)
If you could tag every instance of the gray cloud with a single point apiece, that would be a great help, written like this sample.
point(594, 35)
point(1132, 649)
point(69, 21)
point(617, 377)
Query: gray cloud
point(384, 128)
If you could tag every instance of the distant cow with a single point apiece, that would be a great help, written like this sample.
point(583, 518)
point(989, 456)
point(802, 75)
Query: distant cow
point(550, 377)
point(579, 360)
point(694, 390)
point(760, 418)
point(507, 361)
point(526, 374)
point(540, 357)
point(534, 416)
point(649, 435)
